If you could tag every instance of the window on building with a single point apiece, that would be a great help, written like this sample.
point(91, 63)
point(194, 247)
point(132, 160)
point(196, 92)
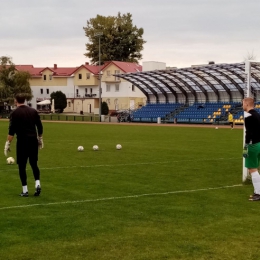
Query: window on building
point(69, 104)
point(90, 90)
point(86, 90)
point(117, 87)
point(133, 88)
point(117, 72)
point(88, 76)
point(41, 90)
point(80, 76)
point(50, 77)
point(44, 77)
point(116, 104)
point(77, 93)
point(108, 88)
point(47, 91)
point(108, 73)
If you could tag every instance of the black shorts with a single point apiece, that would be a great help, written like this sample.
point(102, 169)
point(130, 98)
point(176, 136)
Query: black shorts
point(27, 148)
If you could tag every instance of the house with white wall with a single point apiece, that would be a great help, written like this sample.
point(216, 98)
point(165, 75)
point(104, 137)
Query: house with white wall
point(118, 93)
point(46, 80)
point(81, 86)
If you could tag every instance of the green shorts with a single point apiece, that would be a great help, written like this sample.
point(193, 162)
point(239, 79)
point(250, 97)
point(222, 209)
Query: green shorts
point(253, 159)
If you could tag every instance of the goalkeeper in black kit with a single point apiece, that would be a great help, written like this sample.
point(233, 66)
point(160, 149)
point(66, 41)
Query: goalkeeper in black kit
point(251, 151)
point(26, 124)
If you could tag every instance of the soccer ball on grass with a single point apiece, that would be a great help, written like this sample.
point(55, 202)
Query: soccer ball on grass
point(80, 148)
point(10, 160)
point(95, 147)
point(118, 146)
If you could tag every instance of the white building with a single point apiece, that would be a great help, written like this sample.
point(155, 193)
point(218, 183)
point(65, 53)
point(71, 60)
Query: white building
point(81, 86)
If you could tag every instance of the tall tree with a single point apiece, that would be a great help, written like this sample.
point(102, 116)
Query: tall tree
point(60, 100)
point(13, 81)
point(120, 39)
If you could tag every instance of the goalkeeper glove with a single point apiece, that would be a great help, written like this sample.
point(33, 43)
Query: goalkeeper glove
point(40, 142)
point(7, 147)
point(245, 151)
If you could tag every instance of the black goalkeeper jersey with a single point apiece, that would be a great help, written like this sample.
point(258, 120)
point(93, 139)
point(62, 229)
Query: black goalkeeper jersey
point(252, 125)
point(24, 121)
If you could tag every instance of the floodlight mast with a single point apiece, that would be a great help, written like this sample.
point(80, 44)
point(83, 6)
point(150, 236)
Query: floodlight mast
point(99, 34)
point(247, 94)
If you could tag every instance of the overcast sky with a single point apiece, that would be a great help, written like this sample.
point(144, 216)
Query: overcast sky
point(178, 32)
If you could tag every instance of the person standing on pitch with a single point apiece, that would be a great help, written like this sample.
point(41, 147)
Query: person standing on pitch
point(23, 122)
point(251, 151)
point(231, 120)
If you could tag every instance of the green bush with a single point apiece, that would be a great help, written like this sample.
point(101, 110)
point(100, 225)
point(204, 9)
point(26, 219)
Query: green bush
point(60, 100)
point(104, 108)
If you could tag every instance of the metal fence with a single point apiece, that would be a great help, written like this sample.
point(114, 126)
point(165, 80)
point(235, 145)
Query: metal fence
point(55, 117)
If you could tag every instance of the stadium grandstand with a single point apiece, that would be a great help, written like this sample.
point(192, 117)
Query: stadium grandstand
point(198, 94)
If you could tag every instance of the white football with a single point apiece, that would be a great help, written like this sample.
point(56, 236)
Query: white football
point(80, 148)
point(118, 146)
point(10, 160)
point(95, 147)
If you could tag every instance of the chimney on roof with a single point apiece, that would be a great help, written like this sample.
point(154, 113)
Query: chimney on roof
point(211, 62)
point(86, 63)
point(55, 66)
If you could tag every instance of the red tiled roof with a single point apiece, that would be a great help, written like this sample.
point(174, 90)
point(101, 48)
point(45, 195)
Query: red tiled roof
point(66, 72)
point(91, 68)
point(63, 71)
point(38, 71)
point(47, 68)
point(29, 68)
point(125, 66)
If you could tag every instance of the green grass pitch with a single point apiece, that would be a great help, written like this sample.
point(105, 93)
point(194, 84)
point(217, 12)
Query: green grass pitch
point(170, 193)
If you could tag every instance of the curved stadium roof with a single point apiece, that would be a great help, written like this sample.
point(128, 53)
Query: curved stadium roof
point(193, 80)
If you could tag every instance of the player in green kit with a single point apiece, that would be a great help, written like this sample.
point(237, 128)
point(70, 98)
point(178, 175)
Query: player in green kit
point(251, 151)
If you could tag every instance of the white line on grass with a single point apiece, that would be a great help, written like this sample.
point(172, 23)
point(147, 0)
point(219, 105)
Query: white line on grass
point(134, 164)
point(123, 164)
point(118, 198)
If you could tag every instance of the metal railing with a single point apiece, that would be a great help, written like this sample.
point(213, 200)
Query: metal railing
point(60, 117)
